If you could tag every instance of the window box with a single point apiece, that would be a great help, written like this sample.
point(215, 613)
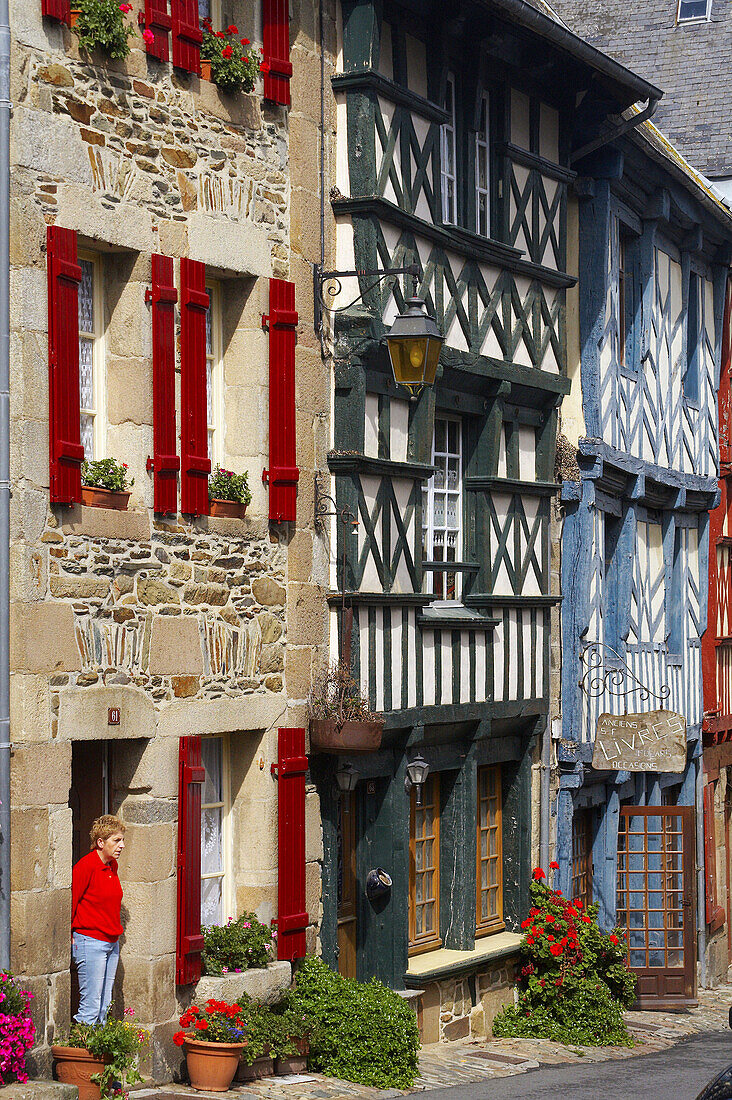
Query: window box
point(329, 736)
point(93, 497)
point(205, 69)
point(230, 509)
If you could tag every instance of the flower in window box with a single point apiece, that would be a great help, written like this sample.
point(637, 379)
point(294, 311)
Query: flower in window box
point(233, 66)
point(101, 25)
point(105, 483)
point(228, 493)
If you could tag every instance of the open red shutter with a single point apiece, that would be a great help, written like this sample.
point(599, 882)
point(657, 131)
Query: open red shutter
point(159, 22)
point(187, 36)
point(282, 474)
point(64, 421)
point(189, 941)
point(292, 920)
point(276, 42)
point(166, 462)
point(57, 9)
point(195, 463)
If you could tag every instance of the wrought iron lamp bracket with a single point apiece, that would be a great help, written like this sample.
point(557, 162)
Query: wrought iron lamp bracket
point(329, 283)
point(615, 679)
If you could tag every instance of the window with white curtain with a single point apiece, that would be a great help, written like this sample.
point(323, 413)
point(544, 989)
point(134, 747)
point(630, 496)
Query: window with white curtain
point(91, 357)
point(442, 511)
point(483, 170)
point(215, 903)
point(448, 152)
point(214, 376)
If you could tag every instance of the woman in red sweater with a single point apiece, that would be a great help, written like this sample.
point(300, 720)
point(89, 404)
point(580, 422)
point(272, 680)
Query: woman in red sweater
point(95, 924)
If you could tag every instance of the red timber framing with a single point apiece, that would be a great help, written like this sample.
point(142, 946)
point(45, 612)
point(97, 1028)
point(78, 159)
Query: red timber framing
point(276, 41)
point(195, 463)
point(282, 475)
point(166, 462)
point(64, 422)
point(57, 9)
point(159, 22)
point(292, 919)
point(189, 941)
point(187, 35)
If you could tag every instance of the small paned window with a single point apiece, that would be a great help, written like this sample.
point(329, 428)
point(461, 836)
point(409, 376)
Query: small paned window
point(424, 868)
point(449, 157)
point(695, 10)
point(627, 246)
point(489, 899)
point(214, 377)
point(694, 330)
point(482, 170)
point(214, 838)
point(611, 585)
point(442, 511)
point(91, 358)
point(582, 856)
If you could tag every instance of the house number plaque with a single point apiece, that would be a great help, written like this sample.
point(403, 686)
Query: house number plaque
point(113, 716)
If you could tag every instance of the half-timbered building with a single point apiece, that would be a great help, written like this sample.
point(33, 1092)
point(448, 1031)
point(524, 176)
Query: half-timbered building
point(653, 249)
point(455, 134)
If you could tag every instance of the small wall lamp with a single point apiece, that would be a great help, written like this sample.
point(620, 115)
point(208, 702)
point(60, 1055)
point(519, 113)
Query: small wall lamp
point(417, 772)
point(347, 778)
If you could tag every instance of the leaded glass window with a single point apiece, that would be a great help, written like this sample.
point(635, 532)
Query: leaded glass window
point(489, 900)
point(213, 826)
point(442, 508)
point(448, 152)
point(90, 359)
point(424, 868)
point(482, 171)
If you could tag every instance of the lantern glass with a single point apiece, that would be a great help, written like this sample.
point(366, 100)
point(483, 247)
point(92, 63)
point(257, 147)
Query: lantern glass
point(347, 778)
point(414, 342)
point(418, 770)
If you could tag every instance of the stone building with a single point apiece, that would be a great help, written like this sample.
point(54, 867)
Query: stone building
point(146, 641)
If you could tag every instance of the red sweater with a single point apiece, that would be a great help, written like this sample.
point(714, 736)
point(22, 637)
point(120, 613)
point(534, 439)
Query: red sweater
point(96, 898)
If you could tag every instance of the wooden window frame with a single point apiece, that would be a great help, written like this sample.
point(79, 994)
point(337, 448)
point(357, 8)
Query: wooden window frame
point(428, 527)
point(494, 923)
point(99, 379)
point(215, 374)
point(227, 893)
point(430, 941)
point(448, 133)
point(483, 144)
point(584, 814)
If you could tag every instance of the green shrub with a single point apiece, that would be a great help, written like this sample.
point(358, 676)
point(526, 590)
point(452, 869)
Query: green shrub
point(242, 944)
point(102, 25)
point(267, 1031)
point(573, 979)
point(363, 1032)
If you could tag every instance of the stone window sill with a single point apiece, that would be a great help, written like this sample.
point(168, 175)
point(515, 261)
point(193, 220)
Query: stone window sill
point(267, 986)
point(444, 963)
point(100, 522)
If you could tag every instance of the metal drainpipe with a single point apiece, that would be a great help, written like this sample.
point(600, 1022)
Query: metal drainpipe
point(4, 485)
point(701, 915)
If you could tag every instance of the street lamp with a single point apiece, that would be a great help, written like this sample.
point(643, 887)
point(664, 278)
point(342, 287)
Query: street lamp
point(347, 778)
point(417, 773)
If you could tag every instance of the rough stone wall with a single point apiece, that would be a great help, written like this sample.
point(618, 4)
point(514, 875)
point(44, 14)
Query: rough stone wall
point(210, 626)
point(450, 1010)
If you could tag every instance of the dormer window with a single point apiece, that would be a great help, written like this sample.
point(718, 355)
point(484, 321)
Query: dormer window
point(695, 11)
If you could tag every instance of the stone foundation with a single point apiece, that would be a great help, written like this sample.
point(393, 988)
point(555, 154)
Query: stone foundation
point(462, 1007)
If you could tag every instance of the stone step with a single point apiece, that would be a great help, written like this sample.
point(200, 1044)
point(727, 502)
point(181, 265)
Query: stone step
point(40, 1090)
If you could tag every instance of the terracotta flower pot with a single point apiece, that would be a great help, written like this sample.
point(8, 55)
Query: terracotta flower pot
point(74, 16)
point(231, 508)
point(205, 69)
point(75, 1065)
point(211, 1066)
point(103, 498)
point(327, 735)
point(294, 1063)
point(260, 1067)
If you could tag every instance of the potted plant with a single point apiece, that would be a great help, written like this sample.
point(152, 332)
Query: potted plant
point(17, 1030)
point(101, 24)
point(241, 944)
point(294, 1045)
point(227, 60)
point(258, 1056)
point(228, 493)
point(213, 1045)
point(340, 720)
point(101, 1059)
point(105, 484)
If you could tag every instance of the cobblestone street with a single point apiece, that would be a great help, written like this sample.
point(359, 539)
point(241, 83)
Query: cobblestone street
point(470, 1061)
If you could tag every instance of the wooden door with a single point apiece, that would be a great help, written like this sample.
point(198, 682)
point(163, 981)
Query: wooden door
point(655, 902)
point(347, 900)
point(89, 794)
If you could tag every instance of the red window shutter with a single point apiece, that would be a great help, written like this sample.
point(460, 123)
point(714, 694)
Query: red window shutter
point(159, 22)
point(57, 9)
point(187, 36)
point(189, 941)
point(64, 419)
point(195, 463)
point(276, 42)
point(166, 462)
point(292, 918)
point(283, 474)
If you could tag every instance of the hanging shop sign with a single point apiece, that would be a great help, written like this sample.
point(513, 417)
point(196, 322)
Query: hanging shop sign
point(650, 742)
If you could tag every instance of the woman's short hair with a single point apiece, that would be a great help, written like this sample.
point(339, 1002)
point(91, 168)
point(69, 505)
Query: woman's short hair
point(104, 827)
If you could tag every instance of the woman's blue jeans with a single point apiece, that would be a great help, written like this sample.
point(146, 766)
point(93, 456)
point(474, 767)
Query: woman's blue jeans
point(96, 964)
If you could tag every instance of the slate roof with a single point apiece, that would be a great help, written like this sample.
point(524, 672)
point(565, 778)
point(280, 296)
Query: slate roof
point(690, 62)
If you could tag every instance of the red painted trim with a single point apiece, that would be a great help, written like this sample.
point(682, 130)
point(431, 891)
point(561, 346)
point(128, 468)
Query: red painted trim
point(195, 463)
point(166, 462)
point(64, 421)
point(160, 23)
point(57, 9)
point(292, 919)
point(187, 35)
point(276, 44)
point(189, 941)
point(283, 473)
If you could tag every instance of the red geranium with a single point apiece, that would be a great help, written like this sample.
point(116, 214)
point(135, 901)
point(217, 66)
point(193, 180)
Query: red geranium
point(245, 42)
point(201, 1024)
point(227, 52)
point(614, 939)
point(556, 949)
point(554, 865)
point(179, 1038)
point(231, 29)
point(537, 873)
